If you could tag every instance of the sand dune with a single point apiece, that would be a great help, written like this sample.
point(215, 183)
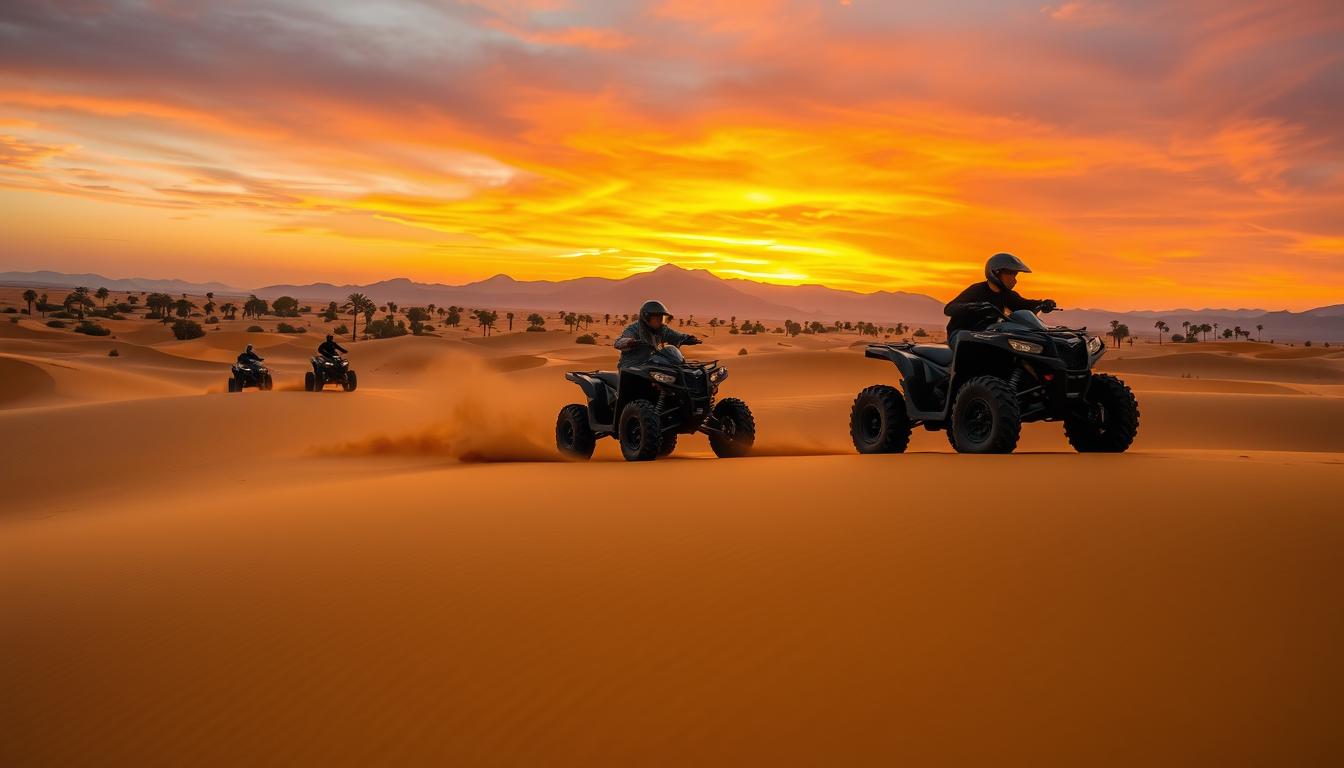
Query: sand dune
point(406, 574)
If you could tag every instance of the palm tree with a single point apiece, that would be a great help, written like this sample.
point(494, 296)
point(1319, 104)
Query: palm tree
point(160, 303)
point(1161, 326)
point(535, 320)
point(102, 294)
point(358, 304)
point(42, 304)
point(510, 317)
point(1258, 328)
point(486, 319)
point(30, 296)
point(1215, 330)
point(79, 299)
point(229, 309)
point(1186, 325)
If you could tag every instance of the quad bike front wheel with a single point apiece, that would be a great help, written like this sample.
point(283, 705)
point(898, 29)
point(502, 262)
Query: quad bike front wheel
point(1108, 420)
point(233, 385)
point(266, 382)
point(319, 381)
point(878, 422)
point(986, 417)
point(309, 382)
point(738, 427)
point(640, 431)
point(573, 437)
point(350, 381)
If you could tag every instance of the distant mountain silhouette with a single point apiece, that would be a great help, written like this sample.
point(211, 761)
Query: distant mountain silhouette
point(702, 293)
point(685, 291)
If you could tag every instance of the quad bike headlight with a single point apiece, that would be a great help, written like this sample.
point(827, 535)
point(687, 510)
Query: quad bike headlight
point(1094, 345)
point(663, 378)
point(1025, 346)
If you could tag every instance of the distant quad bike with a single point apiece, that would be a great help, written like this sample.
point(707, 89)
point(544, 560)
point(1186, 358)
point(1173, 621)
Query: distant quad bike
point(328, 370)
point(249, 375)
point(1015, 371)
point(645, 407)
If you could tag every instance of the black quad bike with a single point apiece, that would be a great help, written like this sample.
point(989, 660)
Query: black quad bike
point(328, 370)
point(249, 375)
point(646, 406)
point(1017, 370)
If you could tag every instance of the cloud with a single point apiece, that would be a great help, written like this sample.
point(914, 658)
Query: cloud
point(870, 144)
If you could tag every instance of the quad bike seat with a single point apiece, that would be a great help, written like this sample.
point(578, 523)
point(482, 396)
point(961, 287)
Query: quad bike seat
point(938, 354)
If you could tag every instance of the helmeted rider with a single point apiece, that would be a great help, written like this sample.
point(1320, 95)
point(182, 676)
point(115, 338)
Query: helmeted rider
point(249, 357)
point(983, 304)
point(642, 338)
point(330, 349)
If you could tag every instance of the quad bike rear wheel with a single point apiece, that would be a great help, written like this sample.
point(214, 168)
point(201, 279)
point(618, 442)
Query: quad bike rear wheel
point(309, 382)
point(640, 431)
point(739, 429)
point(350, 381)
point(668, 445)
point(1109, 419)
point(986, 417)
point(573, 436)
point(878, 422)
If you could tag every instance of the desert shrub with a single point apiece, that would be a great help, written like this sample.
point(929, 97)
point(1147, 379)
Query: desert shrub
point(586, 338)
point(340, 330)
point(535, 329)
point(1178, 338)
point(920, 333)
point(212, 320)
point(742, 351)
point(386, 328)
point(287, 328)
point(1306, 343)
point(11, 311)
point(187, 329)
point(255, 329)
point(62, 314)
point(113, 352)
point(90, 328)
point(57, 324)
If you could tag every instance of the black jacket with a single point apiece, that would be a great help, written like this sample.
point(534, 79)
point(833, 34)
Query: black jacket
point(329, 348)
point(964, 318)
point(638, 342)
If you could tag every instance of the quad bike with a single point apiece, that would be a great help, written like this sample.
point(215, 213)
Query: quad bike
point(249, 375)
point(330, 370)
point(646, 406)
point(1017, 370)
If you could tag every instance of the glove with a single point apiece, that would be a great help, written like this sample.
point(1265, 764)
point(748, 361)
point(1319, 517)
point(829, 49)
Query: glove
point(1048, 305)
point(692, 341)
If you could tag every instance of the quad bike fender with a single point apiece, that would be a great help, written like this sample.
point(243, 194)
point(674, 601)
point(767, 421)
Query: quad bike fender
point(917, 377)
point(601, 415)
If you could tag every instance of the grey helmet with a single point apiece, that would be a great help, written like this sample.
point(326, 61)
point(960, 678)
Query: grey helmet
point(1000, 261)
point(651, 308)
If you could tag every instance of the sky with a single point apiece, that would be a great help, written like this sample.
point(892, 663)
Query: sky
point(1139, 154)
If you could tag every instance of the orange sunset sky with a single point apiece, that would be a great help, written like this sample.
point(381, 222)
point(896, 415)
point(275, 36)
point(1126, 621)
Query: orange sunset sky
point(1137, 154)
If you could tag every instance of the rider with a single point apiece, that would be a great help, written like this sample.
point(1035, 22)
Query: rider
point(978, 306)
point(249, 357)
point(641, 338)
point(330, 349)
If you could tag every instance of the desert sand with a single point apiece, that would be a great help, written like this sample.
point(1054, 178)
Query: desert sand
point(407, 574)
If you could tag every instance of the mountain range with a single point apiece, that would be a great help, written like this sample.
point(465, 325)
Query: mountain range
point(700, 292)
